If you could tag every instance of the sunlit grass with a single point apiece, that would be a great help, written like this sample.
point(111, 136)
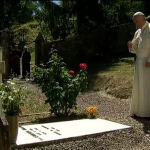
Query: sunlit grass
point(115, 78)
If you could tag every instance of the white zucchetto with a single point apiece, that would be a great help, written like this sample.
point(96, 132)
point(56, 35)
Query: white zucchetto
point(138, 14)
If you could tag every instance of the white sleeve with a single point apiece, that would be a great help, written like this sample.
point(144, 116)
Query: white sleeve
point(134, 42)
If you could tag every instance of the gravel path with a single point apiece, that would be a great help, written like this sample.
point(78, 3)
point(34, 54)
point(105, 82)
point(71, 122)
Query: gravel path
point(137, 138)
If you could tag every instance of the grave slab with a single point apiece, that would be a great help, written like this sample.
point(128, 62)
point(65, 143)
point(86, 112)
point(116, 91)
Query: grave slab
point(41, 134)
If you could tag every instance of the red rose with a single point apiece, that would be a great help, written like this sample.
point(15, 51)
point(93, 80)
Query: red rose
point(71, 72)
point(83, 66)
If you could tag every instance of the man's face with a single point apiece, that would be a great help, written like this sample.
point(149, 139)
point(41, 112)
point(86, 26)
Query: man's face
point(139, 20)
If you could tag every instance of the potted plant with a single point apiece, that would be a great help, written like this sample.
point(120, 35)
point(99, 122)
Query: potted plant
point(12, 98)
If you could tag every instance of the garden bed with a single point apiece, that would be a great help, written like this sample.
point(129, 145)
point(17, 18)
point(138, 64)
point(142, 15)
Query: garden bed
point(118, 76)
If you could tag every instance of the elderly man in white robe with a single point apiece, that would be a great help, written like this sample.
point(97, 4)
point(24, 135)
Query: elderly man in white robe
point(140, 45)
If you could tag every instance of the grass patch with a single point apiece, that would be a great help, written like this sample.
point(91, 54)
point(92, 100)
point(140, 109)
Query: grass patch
point(35, 102)
point(115, 78)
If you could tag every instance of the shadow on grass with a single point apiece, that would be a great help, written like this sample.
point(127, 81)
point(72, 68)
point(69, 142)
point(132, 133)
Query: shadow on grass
point(94, 68)
point(51, 119)
point(127, 60)
point(118, 64)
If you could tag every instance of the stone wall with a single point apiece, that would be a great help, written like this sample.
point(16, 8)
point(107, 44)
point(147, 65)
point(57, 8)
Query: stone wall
point(111, 42)
point(119, 36)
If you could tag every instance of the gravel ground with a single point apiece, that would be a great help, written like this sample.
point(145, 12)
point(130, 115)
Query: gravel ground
point(137, 138)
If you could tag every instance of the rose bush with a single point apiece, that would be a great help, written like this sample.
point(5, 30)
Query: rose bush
point(60, 85)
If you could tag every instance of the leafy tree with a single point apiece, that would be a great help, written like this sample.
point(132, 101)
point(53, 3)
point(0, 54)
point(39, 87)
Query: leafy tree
point(55, 20)
point(82, 16)
point(119, 12)
point(48, 16)
point(15, 12)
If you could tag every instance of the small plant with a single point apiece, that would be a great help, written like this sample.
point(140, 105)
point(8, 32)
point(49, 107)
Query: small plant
point(12, 148)
point(12, 98)
point(92, 112)
point(60, 85)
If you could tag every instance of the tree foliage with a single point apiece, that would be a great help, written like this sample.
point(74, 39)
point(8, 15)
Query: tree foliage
point(13, 12)
point(54, 20)
point(82, 16)
point(120, 12)
point(70, 17)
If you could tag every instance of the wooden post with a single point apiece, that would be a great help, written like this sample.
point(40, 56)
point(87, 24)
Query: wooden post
point(39, 42)
point(2, 66)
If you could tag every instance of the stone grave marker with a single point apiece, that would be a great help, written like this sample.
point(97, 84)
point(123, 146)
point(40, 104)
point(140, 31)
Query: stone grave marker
point(42, 134)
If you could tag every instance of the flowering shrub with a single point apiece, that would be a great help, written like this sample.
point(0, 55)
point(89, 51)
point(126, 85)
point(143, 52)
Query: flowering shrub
point(60, 85)
point(92, 111)
point(12, 98)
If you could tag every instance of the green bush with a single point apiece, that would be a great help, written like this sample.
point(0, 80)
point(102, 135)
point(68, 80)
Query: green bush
point(60, 85)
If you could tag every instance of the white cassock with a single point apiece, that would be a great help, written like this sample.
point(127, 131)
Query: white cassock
point(140, 102)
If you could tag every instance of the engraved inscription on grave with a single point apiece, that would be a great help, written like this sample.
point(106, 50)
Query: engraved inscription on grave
point(52, 129)
point(32, 132)
point(37, 133)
